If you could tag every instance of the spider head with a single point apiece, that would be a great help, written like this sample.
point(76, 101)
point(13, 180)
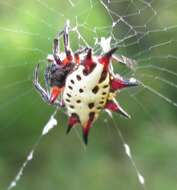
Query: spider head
point(55, 77)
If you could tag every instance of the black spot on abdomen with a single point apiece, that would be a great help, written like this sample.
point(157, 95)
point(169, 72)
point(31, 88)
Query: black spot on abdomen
point(95, 89)
point(78, 77)
point(72, 81)
point(68, 95)
point(105, 86)
point(101, 102)
point(67, 100)
point(81, 90)
point(70, 87)
point(71, 106)
point(91, 105)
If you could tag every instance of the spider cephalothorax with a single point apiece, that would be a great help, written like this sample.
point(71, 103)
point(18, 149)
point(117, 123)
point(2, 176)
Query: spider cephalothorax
point(84, 82)
point(57, 74)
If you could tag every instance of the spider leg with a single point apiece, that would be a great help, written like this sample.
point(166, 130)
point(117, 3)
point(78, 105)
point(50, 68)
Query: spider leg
point(63, 33)
point(47, 78)
point(45, 96)
point(37, 85)
point(66, 42)
point(56, 48)
point(66, 37)
point(130, 63)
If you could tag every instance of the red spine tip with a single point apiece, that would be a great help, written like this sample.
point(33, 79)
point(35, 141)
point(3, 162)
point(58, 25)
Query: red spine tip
point(87, 127)
point(88, 62)
point(73, 120)
point(105, 59)
point(119, 83)
point(115, 107)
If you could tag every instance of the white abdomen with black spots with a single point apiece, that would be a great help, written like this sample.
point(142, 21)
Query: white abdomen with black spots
point(84, 94)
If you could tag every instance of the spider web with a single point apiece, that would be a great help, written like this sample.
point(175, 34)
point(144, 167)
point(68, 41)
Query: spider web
point(143, 30)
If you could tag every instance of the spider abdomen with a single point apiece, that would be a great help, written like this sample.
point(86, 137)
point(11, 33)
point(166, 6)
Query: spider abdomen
point(85, 94)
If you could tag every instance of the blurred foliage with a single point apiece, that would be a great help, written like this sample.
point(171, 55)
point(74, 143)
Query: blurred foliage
point(27, 29)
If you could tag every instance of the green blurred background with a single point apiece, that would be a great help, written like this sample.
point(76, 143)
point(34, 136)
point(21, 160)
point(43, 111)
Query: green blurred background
point(61, 162)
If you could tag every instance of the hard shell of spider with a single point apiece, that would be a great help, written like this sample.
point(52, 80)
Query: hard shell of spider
point(83, 83)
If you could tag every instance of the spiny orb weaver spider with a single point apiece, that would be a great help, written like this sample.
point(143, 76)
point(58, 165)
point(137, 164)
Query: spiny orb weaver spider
point(82, 82)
